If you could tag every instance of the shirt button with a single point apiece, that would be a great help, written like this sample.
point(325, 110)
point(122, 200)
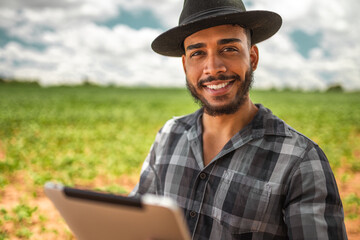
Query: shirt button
point(192, 214)
point(202, 176)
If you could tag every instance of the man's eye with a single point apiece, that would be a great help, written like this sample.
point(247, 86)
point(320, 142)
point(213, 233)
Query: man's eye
point(229, 49)
point(196, 53)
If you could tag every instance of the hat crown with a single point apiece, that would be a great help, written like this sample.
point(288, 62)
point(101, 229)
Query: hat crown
point(197, 9)
point(202, 14)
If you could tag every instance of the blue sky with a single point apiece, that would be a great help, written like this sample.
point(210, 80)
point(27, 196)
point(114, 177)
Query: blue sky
point(108, 42)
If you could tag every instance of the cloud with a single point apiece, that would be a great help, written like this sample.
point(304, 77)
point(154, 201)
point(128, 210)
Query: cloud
point(166, 11)
point(333, 61)
point(67, 41)
point(78, 48)
point(119, 56)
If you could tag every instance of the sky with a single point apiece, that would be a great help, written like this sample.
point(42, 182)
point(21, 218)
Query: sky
point(108, 43)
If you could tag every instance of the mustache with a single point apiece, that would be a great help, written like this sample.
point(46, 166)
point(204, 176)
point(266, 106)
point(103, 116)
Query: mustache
point(221, 77)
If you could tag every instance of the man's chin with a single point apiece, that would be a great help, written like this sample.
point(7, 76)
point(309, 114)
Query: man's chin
point(221, 110)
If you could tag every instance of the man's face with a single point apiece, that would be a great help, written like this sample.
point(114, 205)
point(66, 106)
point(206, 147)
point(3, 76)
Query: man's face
point(218, 65)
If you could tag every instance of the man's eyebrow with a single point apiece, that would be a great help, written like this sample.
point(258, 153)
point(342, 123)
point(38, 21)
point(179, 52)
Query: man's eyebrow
point(220, 42)
point(195, 46)
point(228, 40)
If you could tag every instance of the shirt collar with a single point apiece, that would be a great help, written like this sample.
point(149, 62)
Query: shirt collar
point(264, 123)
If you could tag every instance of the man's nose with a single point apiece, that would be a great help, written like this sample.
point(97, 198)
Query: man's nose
point(214, 65)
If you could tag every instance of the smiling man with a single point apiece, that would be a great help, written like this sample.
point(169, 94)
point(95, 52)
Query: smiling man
point(236, 170)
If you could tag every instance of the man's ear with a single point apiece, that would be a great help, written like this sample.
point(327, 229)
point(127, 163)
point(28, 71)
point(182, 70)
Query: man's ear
point(254, 57)
point(183, 62)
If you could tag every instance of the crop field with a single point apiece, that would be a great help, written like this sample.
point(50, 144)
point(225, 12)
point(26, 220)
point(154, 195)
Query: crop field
point(97, 138)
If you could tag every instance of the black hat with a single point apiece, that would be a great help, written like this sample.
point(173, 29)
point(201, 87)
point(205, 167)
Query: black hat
point(201, 14)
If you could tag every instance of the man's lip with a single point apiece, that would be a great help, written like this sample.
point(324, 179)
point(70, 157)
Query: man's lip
point(217, 82)
point(219, 91)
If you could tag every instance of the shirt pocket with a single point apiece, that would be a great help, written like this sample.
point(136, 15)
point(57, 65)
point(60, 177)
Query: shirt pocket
point(240, 202)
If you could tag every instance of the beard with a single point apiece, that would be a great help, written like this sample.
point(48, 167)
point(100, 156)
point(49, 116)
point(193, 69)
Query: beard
point(233, 106)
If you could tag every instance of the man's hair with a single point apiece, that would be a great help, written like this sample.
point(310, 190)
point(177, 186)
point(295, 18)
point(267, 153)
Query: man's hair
point(248, 33)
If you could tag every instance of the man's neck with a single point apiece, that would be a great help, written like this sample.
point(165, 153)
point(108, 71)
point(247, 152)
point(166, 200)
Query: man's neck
point(218, 130)
point(229, 124)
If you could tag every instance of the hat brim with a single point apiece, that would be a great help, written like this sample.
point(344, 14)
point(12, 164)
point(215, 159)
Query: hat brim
point(263, 25)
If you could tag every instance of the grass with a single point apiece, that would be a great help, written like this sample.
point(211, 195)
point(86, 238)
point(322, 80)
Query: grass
point(352, 205)
point(77, 135)
point(70, 133)
point(20, 218)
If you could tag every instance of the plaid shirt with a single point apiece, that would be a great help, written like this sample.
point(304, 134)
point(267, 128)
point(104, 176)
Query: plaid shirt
point(268, 182)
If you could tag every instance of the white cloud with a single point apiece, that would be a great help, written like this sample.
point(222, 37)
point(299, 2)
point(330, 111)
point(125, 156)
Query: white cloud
point(336, 58)
point(167, 11)
point(77, 47)
point(105, 56)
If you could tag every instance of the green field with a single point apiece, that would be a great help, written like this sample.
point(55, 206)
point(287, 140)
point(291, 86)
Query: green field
point(78, 135)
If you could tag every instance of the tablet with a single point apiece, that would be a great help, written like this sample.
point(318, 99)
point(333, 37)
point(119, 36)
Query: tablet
point(93, 215)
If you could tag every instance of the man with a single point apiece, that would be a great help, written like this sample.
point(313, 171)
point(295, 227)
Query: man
point(236, 170)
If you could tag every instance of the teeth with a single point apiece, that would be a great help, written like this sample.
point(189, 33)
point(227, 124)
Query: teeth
point(215, 87)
